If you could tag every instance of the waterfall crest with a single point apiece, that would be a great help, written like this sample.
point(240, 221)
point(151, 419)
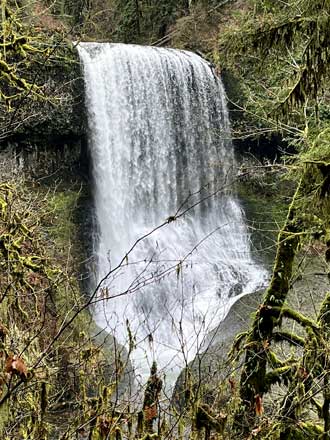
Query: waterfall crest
point(159, 138)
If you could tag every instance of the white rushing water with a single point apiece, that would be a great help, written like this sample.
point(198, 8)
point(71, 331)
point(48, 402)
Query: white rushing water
point(160, 142)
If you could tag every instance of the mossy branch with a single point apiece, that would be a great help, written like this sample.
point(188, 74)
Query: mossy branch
point(291, 338)
point(274, 361)
point(279, 376)
point(301, 319)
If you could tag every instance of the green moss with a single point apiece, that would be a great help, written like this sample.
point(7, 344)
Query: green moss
point(4, 415)
point(62, 205)
point(304, 321)
point(278, 376)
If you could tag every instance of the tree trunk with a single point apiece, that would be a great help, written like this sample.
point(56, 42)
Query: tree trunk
point(253, 377)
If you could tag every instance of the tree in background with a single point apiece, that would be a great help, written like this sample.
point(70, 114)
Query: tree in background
point(144, 21)
point(131, 21)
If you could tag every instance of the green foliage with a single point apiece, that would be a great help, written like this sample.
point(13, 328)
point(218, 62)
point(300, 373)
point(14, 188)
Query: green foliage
point(62, 231)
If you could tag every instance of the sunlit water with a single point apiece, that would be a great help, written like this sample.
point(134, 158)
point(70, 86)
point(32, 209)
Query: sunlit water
point(160, 142)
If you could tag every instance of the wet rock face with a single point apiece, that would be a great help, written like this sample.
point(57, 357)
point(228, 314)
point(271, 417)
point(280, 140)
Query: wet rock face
point(46, 160)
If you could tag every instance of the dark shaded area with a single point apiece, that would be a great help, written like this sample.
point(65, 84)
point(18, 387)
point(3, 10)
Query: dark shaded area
point(270, 147)
point(250, 136)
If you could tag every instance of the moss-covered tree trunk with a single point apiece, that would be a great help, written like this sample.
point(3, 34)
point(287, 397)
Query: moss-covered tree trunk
point(314, 368)
point(307, 217)
point(253, 377)
point(324, 360)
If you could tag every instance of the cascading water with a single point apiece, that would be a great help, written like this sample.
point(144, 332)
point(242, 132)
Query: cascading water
point(160, 143)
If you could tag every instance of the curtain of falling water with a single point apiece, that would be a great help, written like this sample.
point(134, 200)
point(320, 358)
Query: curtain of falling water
point(159, 138)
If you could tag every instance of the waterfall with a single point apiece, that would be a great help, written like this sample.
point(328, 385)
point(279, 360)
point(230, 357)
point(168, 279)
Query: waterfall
point(160, 144)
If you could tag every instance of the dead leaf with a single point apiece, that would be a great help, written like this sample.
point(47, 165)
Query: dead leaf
point(259, 405)
point(150, 412)
point(232, 384)
point(302, 373)
point(266, 345)
point(104, 426)
point(16, 365)
point(104, 292)
point(255, 432)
